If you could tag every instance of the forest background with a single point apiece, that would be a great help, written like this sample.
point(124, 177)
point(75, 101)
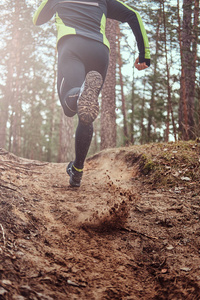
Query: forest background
point(159, 104)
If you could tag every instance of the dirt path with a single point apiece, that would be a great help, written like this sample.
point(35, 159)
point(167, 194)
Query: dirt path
point(116, 237)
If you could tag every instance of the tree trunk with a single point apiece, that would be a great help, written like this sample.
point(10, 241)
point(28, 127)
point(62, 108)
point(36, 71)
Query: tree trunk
point(194, 50)
point(66, 141)
point(12, 85)
point(108, 116)
point(183, 117)
point(132, 104)
point(52, 106)
point(189, 50)
point(5, 104)
point(142, 138)
point(169, 104)
point(122, 88)
point(188, 61)
point(16, 101)
point(152, 101)
point(198, 118)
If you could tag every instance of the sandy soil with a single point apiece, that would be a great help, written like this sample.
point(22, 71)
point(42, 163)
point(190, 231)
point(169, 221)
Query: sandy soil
point(115, 237)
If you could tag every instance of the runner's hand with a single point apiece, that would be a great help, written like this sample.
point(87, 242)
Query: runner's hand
point(140, 66)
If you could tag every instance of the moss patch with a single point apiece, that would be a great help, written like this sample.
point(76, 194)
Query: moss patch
point(167, 164)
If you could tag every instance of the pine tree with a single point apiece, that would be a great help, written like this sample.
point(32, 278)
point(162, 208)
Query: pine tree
point(108, 117)
point(120, 64)
point(188, 48)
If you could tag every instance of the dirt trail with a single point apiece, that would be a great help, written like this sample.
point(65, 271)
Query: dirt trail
point(115, 237)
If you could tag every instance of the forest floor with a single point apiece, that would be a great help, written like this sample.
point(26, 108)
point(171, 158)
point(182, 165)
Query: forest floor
point(131, 231)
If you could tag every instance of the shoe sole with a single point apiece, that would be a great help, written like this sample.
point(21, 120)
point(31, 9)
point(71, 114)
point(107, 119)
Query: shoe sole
point(88, 106)
point(74, 184)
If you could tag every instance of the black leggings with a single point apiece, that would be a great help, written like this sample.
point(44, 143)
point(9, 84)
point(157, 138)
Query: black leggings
point(76, 57)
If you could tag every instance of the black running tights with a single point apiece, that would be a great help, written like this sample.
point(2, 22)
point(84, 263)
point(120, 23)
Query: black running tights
point(76, 57)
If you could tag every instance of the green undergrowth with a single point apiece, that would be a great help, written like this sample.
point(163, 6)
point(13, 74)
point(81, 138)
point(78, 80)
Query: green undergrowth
point(167, 164)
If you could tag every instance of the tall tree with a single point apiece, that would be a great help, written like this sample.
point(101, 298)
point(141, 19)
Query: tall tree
point(195, 47)
point(189, 51)
point(120, 64)
point(52, 110)
point(183, 116)
point(169, 101)
point(17, 57)
point(132, 118)
point(65, 151)
point(151, 111)
point(7, 52)
point(108, 117)
point(142, 125)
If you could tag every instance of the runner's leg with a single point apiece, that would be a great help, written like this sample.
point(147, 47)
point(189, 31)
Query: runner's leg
point(75, 59)
point(71, 75)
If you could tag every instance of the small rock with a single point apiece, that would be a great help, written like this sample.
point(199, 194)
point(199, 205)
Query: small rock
point(72, 283)
point(170, 247)
point(164, 271)
point(6, 282)
point(20, 253)
point(185, 178)
point(185, 269)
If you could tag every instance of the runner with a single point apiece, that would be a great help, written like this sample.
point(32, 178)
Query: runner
point(83, 57)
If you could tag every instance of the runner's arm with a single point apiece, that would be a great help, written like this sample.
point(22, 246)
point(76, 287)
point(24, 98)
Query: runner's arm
point(119, 11)
point(44, 13)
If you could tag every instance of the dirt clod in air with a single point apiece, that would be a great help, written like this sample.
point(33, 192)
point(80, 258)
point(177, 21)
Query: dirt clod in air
point(111, 219)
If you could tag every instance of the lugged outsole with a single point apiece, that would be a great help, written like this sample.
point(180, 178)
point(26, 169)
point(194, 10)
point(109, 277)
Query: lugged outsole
point(88, 106)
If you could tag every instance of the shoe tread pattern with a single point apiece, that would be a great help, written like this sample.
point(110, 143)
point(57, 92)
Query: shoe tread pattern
point(88, 106)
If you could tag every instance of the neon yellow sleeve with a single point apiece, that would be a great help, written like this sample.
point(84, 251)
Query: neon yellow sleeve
point(44, 13)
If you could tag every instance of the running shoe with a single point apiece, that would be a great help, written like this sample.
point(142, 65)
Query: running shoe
point(88, 105)
point(75, 176)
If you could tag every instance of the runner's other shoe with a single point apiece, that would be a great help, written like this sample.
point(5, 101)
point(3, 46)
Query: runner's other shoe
point(88, 106)
point(75, 176)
